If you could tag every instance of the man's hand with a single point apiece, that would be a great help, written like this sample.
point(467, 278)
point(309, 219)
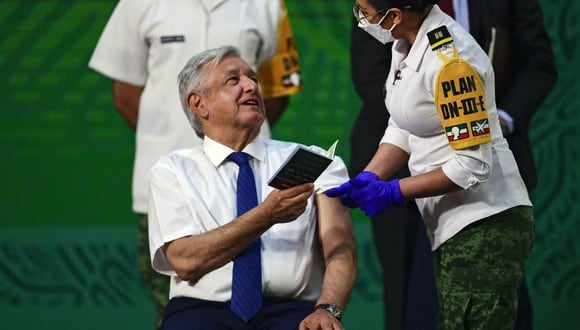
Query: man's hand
point(376, 196)
point(345, 190)
point(320, 320)
point(288, 204)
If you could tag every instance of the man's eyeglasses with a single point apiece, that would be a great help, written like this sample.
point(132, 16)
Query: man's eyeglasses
point(359, 15)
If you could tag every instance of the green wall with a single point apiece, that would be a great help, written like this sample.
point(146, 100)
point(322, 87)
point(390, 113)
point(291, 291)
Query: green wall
point(67, 235)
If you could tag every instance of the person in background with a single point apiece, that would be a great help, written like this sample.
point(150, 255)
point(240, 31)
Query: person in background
point(523, 61)
point(300, 241)
point(142, 48)
point(444, 126)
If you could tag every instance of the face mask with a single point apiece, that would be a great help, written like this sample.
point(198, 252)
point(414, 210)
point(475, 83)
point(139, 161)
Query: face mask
point(377, 31)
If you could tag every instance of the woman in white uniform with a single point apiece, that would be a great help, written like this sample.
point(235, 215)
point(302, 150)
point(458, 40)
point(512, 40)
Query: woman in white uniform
point(444, 125)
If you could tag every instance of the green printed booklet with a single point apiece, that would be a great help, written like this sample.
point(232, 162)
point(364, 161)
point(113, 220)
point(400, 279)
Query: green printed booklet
point(302, 166)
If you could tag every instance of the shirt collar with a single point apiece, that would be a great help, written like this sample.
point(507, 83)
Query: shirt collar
point(211, 4)
point(414, 56)
point(217, 152)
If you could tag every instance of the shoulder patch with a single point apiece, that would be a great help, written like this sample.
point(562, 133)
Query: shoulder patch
point(439, 37)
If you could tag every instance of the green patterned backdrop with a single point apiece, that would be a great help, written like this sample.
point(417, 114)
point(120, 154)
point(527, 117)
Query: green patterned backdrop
point(67, 235)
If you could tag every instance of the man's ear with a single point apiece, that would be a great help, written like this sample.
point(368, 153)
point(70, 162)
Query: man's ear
point(196, 104)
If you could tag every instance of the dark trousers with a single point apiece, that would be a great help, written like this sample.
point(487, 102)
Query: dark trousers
point(525, 317)
point(183, 313)
point(409, 291)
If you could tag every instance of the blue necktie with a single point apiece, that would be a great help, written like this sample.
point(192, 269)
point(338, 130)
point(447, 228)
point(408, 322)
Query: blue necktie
point(247, 275)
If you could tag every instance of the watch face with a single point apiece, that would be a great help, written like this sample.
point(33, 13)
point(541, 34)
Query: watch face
point(332, 309)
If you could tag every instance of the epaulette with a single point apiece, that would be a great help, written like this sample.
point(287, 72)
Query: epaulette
point(439, 37)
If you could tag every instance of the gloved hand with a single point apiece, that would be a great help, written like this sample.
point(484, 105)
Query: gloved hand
point(375, 196)
point(345, 190)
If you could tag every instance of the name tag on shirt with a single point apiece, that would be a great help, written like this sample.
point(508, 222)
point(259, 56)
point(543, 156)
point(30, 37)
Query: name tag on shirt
point(168, 39)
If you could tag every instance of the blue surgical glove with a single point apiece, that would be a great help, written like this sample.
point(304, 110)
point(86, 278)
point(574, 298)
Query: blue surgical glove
point(375, 196)
point(345, 190)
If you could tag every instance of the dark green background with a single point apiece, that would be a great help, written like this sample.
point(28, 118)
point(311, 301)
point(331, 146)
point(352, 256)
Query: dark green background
point(67, 234)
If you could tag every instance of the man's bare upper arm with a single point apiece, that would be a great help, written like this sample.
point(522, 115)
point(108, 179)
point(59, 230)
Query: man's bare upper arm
point(334, 223)
point(126, 98)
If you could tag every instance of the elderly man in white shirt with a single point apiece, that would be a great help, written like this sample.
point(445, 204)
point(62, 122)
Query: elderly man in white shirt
point(142, 48)
point(307, 255)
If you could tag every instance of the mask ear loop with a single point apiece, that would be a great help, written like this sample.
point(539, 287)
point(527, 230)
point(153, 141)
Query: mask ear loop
point(383, 18)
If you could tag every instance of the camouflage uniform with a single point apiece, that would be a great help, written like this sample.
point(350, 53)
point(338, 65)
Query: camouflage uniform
point(479, 269)
point(157, 283)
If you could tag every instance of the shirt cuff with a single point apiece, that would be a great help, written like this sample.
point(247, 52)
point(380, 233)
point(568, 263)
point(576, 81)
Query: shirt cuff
point(462, 174)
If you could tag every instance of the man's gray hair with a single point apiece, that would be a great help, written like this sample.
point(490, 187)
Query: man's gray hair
point(193, 78)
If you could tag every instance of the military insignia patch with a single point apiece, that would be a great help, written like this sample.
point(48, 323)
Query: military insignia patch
point(291, 80)
point(460, 102)
point(480, 127)
point(439, 37)
point(458, 132)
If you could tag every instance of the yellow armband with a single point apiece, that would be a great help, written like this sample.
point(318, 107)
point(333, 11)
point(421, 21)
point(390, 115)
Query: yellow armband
point(460, 102)
point(280, 76)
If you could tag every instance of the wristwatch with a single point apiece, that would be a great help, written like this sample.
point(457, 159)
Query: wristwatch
point(332, 309)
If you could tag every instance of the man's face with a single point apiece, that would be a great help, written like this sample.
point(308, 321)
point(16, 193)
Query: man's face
point(234, 101)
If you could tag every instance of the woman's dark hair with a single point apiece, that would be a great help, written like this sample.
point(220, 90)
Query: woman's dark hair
point(410, 5)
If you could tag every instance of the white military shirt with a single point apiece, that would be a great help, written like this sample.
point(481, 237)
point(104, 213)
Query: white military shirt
point(488, 173)
point(194, 191)
point(147, 43)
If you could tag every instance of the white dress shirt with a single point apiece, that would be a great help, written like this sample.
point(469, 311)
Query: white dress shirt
point(147, 43)
point(488, 173)
point(194, 191)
